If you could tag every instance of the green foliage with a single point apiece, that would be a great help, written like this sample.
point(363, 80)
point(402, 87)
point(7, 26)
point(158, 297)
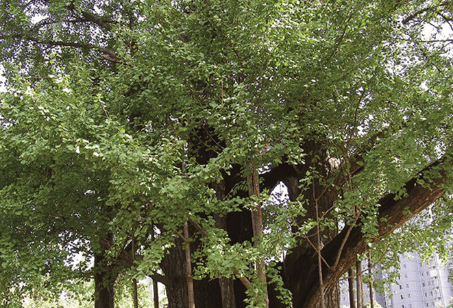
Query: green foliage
point(120, 121)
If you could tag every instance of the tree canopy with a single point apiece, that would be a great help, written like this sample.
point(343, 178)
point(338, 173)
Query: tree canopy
point(151, 135)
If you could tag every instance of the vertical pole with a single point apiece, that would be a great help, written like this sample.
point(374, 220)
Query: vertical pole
point(189, 268)
point(254, 190)
point(351, 288)
point(360, 303)
point(134, 281)
point(155, 287)
point(319, 257)
point(371, 280)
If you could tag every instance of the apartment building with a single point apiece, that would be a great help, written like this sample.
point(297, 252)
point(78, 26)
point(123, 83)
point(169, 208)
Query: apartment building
point(419, 285)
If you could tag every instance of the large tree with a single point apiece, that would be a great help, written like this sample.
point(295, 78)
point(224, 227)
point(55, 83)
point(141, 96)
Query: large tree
point(172, 125)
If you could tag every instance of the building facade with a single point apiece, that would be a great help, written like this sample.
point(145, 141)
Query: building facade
point(419, 285)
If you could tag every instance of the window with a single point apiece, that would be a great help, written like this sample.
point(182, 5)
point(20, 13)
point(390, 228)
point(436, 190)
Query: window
point(423, 284)
point(402, 296)
point(409, 295)
point(407, 285)
point(401, 286)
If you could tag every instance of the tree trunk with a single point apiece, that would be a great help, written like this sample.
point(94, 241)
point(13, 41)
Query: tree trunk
point(253, 187)
point(104, 280)
point(332, 295)
point(173, 266)
point(351, 288)
point(226, 284)
point(360, 301)
point(316, 196)
point(300, 267)
point(189, 277)
point(155, 287)
point(371, 280)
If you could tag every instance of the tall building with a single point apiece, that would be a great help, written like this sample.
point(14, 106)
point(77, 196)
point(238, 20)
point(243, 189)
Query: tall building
point(419, 285)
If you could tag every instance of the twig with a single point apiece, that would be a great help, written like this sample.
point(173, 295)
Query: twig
point(325, 262)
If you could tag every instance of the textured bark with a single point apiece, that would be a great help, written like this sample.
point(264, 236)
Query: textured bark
point(359, 281)
point(226, 284)
point(257, 225)
point(155, 287)
point(155, 294)
point(173, 265)
point(392, 214)
point(300, 267)
point(227, 289)
point(104, 279)
point(189, 277)
point(351, 288)
point(302, 263)
point(370, 267)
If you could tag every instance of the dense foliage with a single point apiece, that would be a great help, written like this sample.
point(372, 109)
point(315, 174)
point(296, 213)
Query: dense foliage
point(125, 121)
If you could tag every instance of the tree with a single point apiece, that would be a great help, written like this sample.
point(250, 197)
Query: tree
point(167, 113)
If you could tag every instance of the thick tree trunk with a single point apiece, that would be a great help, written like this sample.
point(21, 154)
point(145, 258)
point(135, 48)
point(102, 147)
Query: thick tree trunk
point(315, 195)
point(226, 284)
point(173, 266)
point(300, 267)
point(332, 295)
point(104, 280)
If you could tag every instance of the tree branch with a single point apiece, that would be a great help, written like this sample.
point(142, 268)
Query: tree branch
point(414, 15)
point(123, 255)
point(111, 55)
point(91, 18)
point(392, 215)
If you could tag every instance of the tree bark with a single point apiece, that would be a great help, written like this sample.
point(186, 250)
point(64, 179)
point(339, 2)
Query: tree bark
point(173, 265)
point(349, 243)
point(359, 281)
point(318, 197)
point(155, 287)
point(189, 277)
point(300, 274)
point(155, 294)
point(253, 188)
point(104, 280)
point(226, 284)
point(371, 280)
point(351, 288)
point(134, 281)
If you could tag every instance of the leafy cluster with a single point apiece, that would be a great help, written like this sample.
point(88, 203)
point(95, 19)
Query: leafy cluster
point(123, 121)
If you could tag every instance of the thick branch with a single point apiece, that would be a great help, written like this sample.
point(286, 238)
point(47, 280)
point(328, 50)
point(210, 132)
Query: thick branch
point(128, 260)
point(110, 55)
point(392, 214)
point(91, 18)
